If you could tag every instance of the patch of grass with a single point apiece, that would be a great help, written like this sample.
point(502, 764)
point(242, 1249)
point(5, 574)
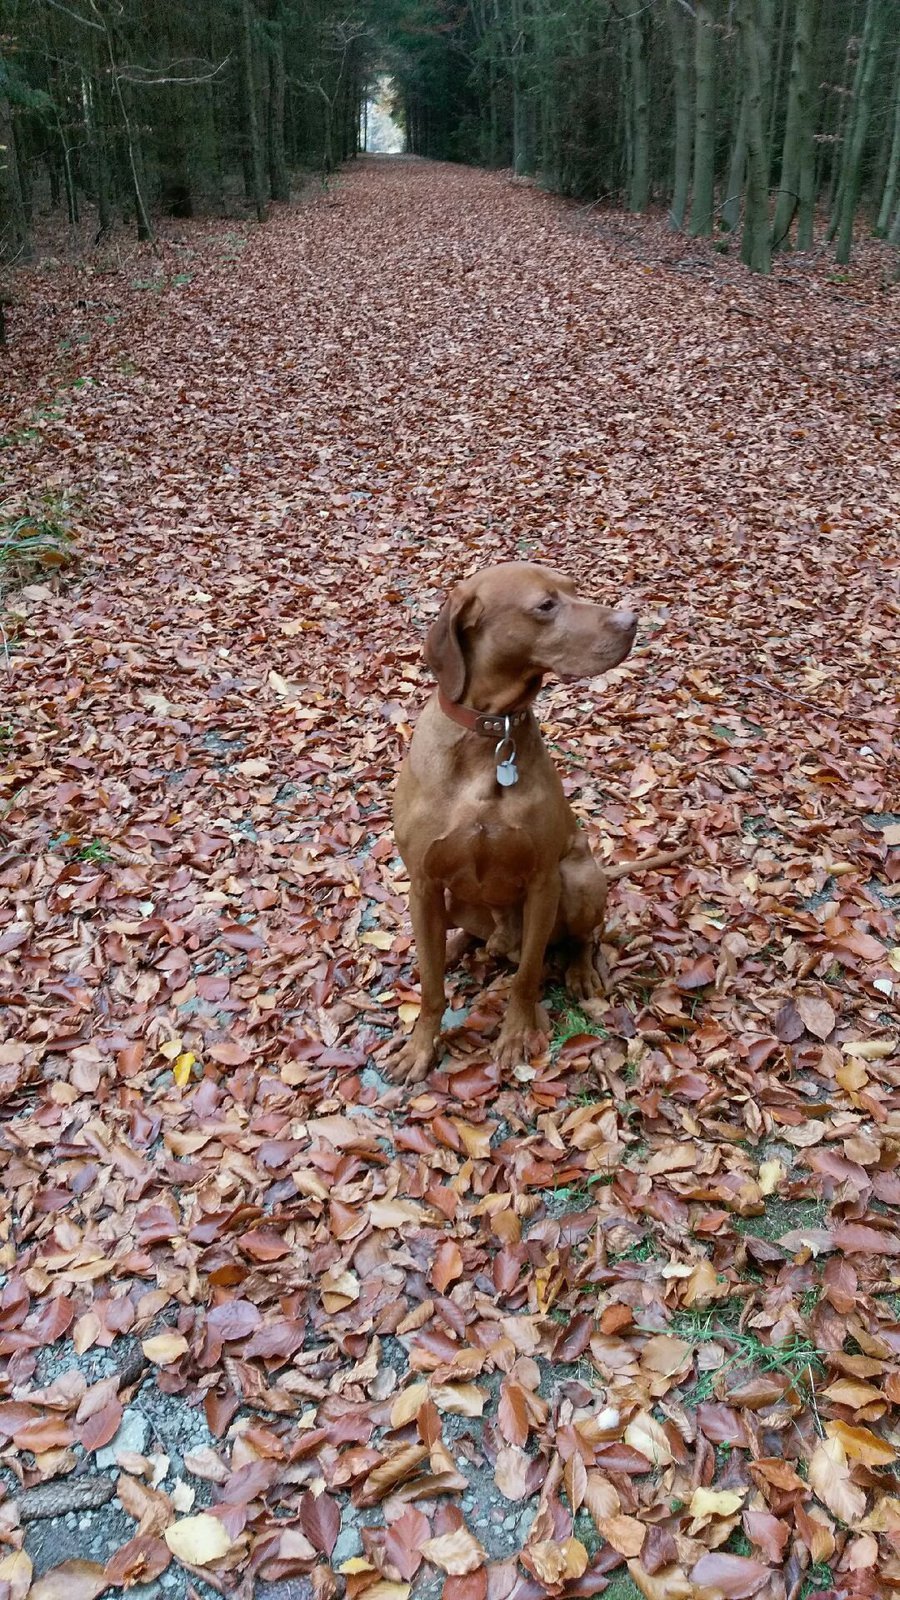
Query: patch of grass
point(781, 1216)
point(569, 1021)
point(642, 1250)
point(798, 1358)
point(622, 1588)
point(737, 1544)
point(818, 1577)
point(34, 544)
point(95, 850)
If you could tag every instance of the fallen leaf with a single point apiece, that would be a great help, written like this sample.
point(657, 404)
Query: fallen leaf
point(72, 1580)
point(829, 1478)
point(198, 1540)
point(457, 1552)
point(164, 1348)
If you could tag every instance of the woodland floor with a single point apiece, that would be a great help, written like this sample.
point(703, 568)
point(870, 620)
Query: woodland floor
point(631, 1321)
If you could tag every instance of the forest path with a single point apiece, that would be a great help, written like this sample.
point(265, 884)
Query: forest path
point(281, 444)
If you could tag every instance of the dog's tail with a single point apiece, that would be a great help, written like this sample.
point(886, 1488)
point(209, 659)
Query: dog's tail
point(623, 869)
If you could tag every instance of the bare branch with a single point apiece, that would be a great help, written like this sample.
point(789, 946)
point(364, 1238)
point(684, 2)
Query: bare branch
point(76, 16)
point(129, 75)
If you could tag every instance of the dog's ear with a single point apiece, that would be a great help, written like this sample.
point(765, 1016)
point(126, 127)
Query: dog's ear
point(443, 649)
point(443, 645)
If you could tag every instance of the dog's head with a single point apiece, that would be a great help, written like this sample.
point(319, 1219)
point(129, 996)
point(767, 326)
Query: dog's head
point(502, 629)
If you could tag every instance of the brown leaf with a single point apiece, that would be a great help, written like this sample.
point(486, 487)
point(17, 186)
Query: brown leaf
point(860, 1444)
point(404, 1540)
point(829, 1478)
point(234, 1319)
point(788, 1024)
point(512, 1413)
point(457, 1552)
point(817, 1015)
point(511, 1472)
point(72, 1580)
point(394, 1469)
point(447, 1265)
point(141, 1560)
point(15, 1573)
point(473, 1586)
point(320, 1519)
point(735, 1577)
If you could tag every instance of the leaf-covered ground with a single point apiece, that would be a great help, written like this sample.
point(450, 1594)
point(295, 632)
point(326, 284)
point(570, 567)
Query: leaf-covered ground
point(629, 1322)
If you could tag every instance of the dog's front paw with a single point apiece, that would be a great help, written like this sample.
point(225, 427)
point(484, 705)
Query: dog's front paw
point(524, 1034)
point(410, 1060)
point(587, 976)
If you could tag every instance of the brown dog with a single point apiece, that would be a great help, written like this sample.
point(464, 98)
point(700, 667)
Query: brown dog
point(489, 840)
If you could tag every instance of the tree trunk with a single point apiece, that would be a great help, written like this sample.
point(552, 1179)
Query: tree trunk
point(15, 242)
point(522, 158)
point(639, 186)
point(734, 192)
point(681, 61)
point(756, 251)
point(892, 176)
point(703, 200)
point(96, 115)
point(251, 118)
point(848, 96)
point(859, 127)
point(798, 127)
point(776, 75)
point(765, 34)
point(279, 182)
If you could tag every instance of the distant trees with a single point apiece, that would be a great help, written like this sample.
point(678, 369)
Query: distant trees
point(135, 107)
point(749, 115)
point(777, 119)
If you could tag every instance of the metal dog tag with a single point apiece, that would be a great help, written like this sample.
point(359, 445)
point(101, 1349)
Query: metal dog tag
point(507, 771)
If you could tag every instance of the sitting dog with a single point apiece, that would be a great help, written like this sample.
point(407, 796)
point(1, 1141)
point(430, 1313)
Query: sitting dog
point(489, 840)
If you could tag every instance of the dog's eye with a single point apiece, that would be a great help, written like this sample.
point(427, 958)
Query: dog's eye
point(548, 605)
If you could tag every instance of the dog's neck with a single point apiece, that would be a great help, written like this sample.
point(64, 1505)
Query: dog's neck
point(483, 699)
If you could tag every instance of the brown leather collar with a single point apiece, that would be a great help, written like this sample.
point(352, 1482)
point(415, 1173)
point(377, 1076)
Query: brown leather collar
point(490, 724)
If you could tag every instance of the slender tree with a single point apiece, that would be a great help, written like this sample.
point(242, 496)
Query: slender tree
point(753, 17)
point(703, 198)
point(876, 16)
point(251, 112)
point(639, 186)
point(679, 24)
point(891, 191)
point(798, 126)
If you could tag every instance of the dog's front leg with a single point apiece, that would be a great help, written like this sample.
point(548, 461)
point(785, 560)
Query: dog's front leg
point(524, 1031)
point(415, 1055)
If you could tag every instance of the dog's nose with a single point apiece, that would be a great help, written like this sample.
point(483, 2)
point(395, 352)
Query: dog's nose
point(625, 621)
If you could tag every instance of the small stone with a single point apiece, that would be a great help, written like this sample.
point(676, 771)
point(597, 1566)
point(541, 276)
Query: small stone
point(510, 1521)
point(132, 1435)
point(347, 1545)
point(524, 1522)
